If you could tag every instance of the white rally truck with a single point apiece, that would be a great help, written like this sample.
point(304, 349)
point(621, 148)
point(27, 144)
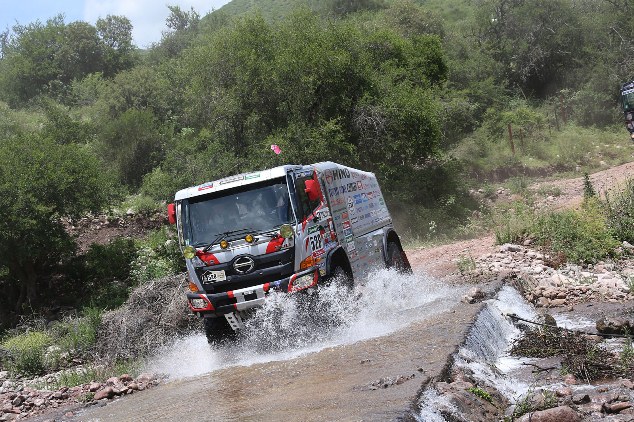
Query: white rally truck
point(285, 229)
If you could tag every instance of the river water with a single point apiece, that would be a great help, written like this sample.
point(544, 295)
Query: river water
point(289, 326)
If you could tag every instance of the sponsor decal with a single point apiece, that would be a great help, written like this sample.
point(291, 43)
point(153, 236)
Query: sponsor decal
point(314, 229)
point(346, 224)
point(344, 216)
point(350, 247)
point(359, 186)
point(231, 179)
point(206, 186)
point(350, 204)
point(353, 220)
point(252, 176)
point(339, 174)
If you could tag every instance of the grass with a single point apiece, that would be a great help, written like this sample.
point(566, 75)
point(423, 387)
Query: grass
point(87, 374)
point(546, 152)
point(481, 393)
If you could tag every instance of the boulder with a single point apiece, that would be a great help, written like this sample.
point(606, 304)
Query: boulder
point(556, 414)
point(106, 393)
point(613, 325)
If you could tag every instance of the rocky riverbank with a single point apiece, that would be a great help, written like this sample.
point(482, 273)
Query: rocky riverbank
point(597, 301)
point(26, 398)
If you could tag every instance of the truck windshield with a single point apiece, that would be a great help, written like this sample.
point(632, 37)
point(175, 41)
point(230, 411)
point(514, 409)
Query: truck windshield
point(254, 208)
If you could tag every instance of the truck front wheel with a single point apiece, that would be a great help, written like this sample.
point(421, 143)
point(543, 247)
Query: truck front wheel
point(217, 329)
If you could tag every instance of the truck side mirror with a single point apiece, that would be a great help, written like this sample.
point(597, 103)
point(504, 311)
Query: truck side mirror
point(312, 189)
point(171, 213)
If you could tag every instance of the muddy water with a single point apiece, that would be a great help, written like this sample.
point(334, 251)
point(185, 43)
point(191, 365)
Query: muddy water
point(364, 358)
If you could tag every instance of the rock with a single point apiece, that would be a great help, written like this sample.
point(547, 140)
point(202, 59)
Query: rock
point(556, 414)
point(558, 302)
point(473, 296)
point(580, 399)
point(611, 325)
point(570, 379)
point(7, 408)
point(627, 384)
point(17, 401)
point(145, 378)
point(125, 378)
point(112, 381)
point(628, 245)
point(549, 320)
point(563, 392)
point(106, 393)
point(133, 386)
point(4, 375)
point(94, 386)
point(509, 247)
point(39, 402)
point(616, 407)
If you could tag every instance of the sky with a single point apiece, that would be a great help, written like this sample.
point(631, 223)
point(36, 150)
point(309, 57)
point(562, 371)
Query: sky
point(147, 16)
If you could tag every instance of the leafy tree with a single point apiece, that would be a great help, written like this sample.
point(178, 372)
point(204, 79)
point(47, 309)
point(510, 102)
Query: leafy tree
point(133, 144)
point(41, 181)
point(45, 59)
point(118, 50)
point(540, 43)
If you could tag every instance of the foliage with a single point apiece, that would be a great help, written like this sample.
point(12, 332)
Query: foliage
point(41, 181)
point(512, 222)
point(157, 256)
point(619, 208)
point(132, 143)
point(588, 189)
point(45, 59)
point(481, 393)
point(581, 236)
point(26, 352)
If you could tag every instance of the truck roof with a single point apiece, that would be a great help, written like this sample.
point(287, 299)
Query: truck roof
point(252, 177)
point(233, 181)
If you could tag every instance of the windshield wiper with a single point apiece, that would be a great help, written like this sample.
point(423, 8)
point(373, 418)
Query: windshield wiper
point(222, 235)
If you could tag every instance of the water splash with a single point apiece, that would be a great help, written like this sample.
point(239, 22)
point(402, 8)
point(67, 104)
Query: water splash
point(289, 326)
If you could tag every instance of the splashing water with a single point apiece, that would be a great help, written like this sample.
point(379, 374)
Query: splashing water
point(289, 326)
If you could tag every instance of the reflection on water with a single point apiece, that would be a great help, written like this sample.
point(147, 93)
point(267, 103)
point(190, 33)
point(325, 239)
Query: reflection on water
point(288, 326)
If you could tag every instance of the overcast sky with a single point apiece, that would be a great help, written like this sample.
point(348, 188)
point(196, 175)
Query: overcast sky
point(147, 16)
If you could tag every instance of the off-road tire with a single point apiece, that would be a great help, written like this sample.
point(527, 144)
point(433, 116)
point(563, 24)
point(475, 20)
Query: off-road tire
point(217, 330)
point(395, 258)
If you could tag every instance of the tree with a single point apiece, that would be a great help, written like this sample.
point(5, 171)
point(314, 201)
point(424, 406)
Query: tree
point(41, 181)
point(119, 51)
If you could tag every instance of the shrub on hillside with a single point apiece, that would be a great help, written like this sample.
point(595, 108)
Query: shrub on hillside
point(26, 353)
point(581, 236)
point(620, 212)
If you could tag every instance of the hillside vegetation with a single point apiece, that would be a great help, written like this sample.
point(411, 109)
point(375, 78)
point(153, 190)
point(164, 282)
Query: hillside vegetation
point(435, 97)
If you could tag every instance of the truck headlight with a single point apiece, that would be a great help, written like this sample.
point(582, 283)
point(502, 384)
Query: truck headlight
point(189, 252)
point(286, 231)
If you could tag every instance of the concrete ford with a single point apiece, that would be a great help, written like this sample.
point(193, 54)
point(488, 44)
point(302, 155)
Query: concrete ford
point(287, 229)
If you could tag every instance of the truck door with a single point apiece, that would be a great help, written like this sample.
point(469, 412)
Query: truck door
point(314, 235)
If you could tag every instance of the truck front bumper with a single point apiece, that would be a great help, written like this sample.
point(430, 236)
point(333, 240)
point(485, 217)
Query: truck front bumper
point(249, 297)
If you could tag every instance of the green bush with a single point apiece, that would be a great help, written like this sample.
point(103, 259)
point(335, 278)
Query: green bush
point(77, 335)
point(620, 212)
point(26, 352)
point(157, 256)
point(512, 222)
point(581, 236)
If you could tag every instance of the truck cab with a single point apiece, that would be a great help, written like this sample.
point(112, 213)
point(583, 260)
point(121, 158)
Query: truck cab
point(286, 229)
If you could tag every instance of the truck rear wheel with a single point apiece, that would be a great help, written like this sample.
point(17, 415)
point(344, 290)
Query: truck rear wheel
point(395, 258)
point(217, 329)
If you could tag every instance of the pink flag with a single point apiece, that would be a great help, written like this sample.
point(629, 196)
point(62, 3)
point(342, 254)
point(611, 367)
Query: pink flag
point(276, 149)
